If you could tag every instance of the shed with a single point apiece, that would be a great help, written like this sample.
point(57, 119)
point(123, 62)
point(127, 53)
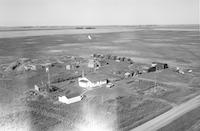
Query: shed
point(127, 75)
point(134, 72)
point(152, 69)
point(36, 88)
point(66, 100)
point(92, 63)
point(159, 66)
point(68, 67)
point(122, 58)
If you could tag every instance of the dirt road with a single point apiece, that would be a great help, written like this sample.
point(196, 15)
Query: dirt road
point(169, 116)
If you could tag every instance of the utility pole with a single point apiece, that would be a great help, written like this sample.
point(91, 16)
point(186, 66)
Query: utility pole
point(83, 74)
point(49, 79)
point(47, 70)
point(3, 81)
point(102, 99)
point(155, 82)
point(156, 79)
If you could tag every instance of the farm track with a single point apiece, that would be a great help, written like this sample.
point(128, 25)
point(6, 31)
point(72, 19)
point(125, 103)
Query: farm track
point(169, 116)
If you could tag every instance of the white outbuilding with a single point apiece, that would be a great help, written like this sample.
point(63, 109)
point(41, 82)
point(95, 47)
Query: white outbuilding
point(92, 63)
point(64, 99)
point(89, 37)
point(36, 88)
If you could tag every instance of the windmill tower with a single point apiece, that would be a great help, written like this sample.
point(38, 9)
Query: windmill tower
point(156, 79)
point(47, 71)
point(155, 82)
point(83, 73)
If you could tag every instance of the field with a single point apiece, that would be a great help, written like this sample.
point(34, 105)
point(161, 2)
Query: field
point(129, 104)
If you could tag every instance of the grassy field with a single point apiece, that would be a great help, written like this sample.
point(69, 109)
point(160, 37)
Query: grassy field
point(21, 121)
point(195, 127)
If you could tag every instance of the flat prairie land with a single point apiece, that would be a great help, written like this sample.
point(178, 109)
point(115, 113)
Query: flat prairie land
point(123, 107)
point(176, 47)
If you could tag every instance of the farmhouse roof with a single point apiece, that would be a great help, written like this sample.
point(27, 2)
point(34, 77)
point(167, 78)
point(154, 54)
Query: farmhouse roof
point(94, 77)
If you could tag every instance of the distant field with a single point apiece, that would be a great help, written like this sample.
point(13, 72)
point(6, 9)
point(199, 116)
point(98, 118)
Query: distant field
point(9, 32)
point(176, 47)
point(39, 32)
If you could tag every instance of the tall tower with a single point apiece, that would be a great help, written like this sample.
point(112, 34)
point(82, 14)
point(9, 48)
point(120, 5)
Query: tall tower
point(83, 74)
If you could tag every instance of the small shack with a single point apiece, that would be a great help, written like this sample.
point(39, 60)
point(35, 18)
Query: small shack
point(37, 88)
point(134, 72)
point(127, 75)
point(131, 73)
point(159, 66)
point(68, 67)
point(151, 69)
point(92, 63)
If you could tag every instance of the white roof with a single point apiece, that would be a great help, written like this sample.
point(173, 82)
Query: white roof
point(65, 100)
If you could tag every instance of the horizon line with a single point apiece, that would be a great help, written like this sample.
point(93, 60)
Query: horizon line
point(27, 26)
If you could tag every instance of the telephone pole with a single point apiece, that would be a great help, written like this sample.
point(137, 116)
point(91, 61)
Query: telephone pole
point(47, 70)
point(155, 82)
point(83, 73)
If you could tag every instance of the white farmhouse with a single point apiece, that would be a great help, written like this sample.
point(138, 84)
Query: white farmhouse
point(92, 80)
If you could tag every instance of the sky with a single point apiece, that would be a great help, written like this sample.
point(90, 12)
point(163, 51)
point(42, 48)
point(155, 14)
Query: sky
point(98, 12)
